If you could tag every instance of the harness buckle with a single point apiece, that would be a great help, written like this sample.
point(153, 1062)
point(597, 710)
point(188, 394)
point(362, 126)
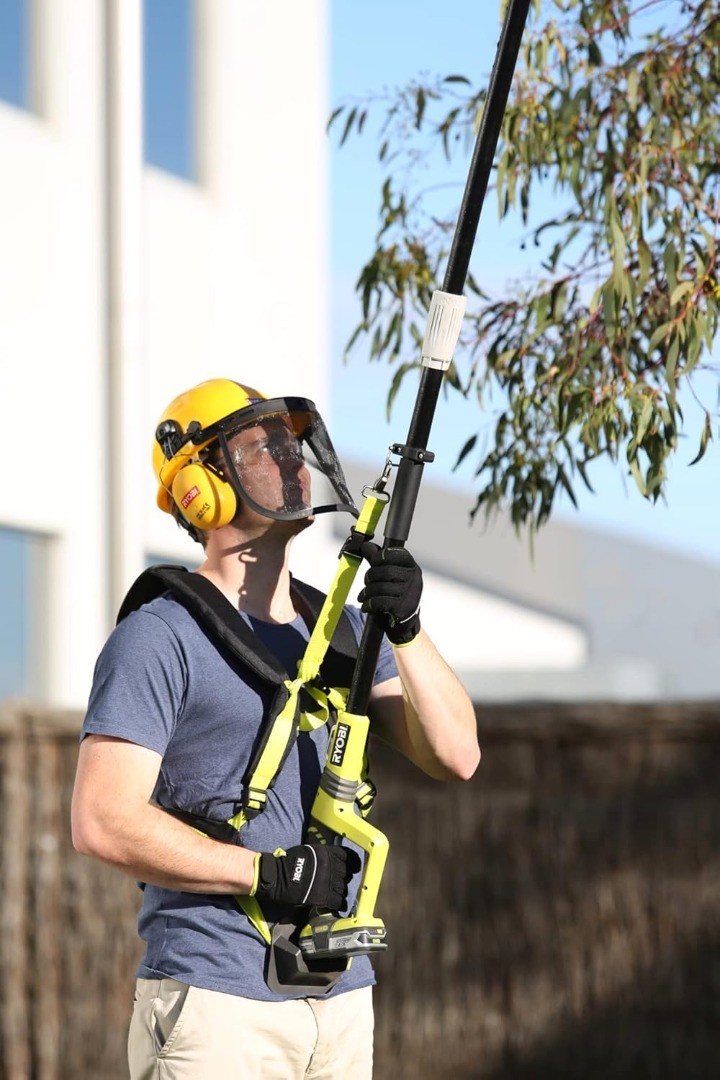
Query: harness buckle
point(253, 802)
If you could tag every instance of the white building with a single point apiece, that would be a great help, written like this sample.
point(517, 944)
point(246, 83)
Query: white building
point(122, 284)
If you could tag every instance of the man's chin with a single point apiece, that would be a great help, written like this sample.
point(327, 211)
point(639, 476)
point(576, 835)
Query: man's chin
point(295, 525)
point(304, 523)
point(249, 521)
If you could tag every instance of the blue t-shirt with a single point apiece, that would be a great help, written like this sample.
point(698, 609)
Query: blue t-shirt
point(163, 683)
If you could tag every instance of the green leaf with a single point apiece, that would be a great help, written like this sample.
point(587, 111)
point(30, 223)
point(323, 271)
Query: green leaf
point(558, 300)
point(398, 377)
point(632, 89)
point(644, 262)
point(334, 115)
point(616, 230)
point(672, 359)
point(695, 328)
point(504, 359)
point(361, 328)
point(348, 125)
point(681, 290)
point(659, 334)
point(469, 445)
point(637, 476)
point(581, 469)
point(609, 297)
point(420, 103)
point(670, 262)
point(562, 477)
point(595, 58)
point(704, 440)
point(646, 415)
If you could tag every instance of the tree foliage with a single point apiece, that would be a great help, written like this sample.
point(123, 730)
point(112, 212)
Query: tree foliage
point(613, 122)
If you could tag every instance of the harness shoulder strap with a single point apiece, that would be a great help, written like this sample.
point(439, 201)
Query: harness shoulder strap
point(212, 610)
point(338, 663)
point(216, 614)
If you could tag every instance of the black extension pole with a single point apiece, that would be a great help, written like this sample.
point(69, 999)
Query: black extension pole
point(413, 453)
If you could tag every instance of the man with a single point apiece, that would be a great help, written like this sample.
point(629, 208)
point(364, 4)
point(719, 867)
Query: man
point(173, 719)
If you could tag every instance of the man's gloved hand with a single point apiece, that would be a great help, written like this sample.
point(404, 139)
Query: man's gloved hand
point(393, 586)
point(315, 875)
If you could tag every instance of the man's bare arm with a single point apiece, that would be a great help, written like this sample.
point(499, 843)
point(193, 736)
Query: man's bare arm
point(113, 820)
point(426, 713)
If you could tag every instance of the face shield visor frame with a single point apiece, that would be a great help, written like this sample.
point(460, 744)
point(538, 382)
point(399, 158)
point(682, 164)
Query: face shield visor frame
point(261, 451)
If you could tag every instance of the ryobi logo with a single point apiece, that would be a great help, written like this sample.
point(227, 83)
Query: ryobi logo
point(340, 745)
point(189, 496)
point(298, 869)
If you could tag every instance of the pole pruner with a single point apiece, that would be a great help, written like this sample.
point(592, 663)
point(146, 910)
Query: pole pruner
point(334, 815)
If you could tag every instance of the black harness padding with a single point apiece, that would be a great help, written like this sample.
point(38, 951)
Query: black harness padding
point(214, 612)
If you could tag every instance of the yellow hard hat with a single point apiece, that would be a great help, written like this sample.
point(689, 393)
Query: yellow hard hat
point(194, 411)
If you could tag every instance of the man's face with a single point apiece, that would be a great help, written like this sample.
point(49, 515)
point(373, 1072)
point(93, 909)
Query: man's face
point(269, 463)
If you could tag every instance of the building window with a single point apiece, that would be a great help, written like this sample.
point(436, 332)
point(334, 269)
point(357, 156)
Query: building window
point(15, 52)
point(23, 656)
point(169, 77)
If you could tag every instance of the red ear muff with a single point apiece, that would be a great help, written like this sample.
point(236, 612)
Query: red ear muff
point(203, 499)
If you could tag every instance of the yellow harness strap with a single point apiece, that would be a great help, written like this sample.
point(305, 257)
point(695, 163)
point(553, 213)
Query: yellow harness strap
point(325, 697)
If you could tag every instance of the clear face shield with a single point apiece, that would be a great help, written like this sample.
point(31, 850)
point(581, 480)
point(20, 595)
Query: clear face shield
point(276, 454)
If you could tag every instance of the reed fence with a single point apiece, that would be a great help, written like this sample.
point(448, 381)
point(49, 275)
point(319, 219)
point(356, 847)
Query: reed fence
point(555, 916)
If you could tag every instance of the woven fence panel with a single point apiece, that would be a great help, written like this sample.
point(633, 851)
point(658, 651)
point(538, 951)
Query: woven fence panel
point(555, 916)
point(69, 947)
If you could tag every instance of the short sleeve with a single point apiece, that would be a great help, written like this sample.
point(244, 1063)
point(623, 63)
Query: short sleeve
point(139, 683)
point(386, 667)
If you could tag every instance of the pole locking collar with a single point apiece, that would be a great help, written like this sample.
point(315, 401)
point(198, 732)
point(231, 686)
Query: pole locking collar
point(442, 331)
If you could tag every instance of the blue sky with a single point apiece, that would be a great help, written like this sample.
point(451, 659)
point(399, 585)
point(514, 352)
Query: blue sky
point(376, 45)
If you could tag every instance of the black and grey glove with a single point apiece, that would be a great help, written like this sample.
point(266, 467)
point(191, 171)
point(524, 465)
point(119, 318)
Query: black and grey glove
point(393, 587)
point(312, 875)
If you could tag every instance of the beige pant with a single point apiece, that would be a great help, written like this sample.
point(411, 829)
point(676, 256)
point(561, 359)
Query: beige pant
point(181, 1032)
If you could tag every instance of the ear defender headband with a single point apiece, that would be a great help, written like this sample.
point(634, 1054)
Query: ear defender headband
point(205, 501)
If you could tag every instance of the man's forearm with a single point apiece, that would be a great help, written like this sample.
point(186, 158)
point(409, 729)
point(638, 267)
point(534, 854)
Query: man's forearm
point(438, 730)
point(154, 847)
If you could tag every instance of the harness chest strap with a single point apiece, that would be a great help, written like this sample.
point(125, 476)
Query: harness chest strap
point(329, 694)
point(327, 699)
